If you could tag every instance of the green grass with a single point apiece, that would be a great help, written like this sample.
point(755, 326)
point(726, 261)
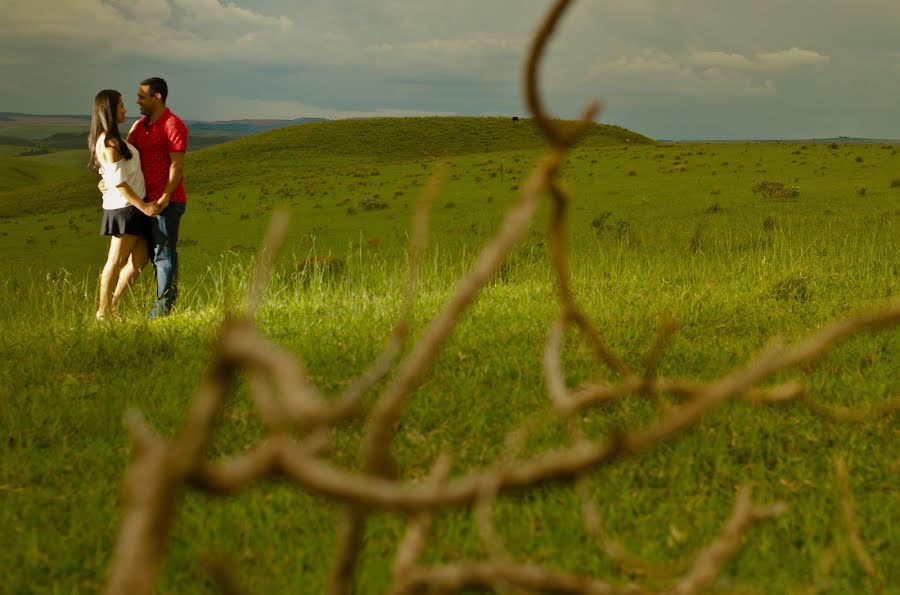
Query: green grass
point(34, 173)
point(734, 267)
point(71, 158)
point(42, 131)
point(11, 150)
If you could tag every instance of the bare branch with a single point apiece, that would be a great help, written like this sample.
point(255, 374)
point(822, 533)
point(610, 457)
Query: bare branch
point(287, 402)
point(856, 543)
point(614, 550)
point(710, 561)
point(557, 137)
point(271, 246)
point(155, 481)
point(391, 351)
point(414, 541)
point(461, 575)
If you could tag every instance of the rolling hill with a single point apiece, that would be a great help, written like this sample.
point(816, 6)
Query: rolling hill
point(383, 140)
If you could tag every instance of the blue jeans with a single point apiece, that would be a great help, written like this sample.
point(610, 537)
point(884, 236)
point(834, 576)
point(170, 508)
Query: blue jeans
point(164, 256)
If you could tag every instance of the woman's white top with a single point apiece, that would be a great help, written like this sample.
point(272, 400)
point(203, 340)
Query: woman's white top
point(123, 170)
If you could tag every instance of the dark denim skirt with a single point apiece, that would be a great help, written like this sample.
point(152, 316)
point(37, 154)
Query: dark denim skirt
point(129, 221)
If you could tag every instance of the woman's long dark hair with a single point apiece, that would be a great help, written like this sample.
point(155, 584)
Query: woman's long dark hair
point(103, 119)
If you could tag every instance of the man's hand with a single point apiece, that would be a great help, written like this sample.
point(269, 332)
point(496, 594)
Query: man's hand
point(163, 202)
point(101, 186)
point(151, 209)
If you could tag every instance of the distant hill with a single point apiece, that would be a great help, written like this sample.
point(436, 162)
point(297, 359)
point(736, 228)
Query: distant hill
point(381, 140)
point(248, 126)
point(840, 140)
point(62, 132)
point(413, 138)
point(14, 141)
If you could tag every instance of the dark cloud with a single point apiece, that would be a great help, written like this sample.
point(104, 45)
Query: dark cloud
point(696, 68)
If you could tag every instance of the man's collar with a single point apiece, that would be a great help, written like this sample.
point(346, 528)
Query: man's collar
point(162, 117)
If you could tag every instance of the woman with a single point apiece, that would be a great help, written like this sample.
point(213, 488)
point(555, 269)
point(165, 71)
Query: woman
point(126, 217)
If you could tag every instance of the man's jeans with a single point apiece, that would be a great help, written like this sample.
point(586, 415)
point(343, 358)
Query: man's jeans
point(164, 255)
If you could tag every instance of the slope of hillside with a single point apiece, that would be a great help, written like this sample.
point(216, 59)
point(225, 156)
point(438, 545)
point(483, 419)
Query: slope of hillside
point(19, 172)
point(415, 138)
point(375, 140)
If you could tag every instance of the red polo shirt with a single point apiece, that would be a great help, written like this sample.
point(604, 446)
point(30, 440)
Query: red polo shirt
point(154, 141)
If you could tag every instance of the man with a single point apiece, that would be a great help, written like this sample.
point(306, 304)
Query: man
point(161, 138)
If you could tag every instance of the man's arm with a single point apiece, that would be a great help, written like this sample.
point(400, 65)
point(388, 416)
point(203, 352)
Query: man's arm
point(176, 172)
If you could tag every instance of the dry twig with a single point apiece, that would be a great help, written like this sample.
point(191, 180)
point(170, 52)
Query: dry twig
point(287, 402)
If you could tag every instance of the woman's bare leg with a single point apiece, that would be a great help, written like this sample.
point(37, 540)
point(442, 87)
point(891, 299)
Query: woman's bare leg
point(120, 246)
point(137, 260)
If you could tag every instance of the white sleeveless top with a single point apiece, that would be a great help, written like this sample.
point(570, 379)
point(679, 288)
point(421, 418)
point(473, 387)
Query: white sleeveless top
point(123, 170)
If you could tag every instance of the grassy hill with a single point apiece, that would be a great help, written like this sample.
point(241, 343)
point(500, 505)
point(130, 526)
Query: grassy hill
point(657, 231)
point(18, 173)
point(376, 140)
point(400, 139)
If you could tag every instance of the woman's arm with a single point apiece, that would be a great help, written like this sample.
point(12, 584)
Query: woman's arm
point(148, 208)
point(110, 154)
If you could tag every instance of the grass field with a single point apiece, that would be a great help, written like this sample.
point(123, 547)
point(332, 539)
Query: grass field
point(656, 231)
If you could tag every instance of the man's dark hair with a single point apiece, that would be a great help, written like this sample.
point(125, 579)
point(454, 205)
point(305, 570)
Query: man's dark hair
point(157, 85)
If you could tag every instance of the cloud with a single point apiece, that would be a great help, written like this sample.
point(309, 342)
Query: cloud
point(720, 60)
point(647, 62)
point(790, 58)
point(172, 30)
point(780, 60)
point(236, 108)
point(702, 72)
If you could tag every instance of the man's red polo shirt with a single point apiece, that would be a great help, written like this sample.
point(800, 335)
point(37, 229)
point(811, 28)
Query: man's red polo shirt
point(154, 141)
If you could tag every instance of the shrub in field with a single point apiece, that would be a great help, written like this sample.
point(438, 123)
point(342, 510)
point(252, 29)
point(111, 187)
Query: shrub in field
point(895, 183)
point(601, 223)
point(713, 209)
point(695, 243)
point(860, 190)
point(626, 233)
point(794, 288)
point(768, 223)
point(773, 189)
point(323, 268)
point(372, 203)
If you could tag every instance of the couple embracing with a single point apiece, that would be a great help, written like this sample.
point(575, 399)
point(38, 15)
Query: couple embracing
point(143, 193)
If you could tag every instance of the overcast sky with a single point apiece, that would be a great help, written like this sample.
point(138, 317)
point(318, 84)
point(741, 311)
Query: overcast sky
point(665, 68)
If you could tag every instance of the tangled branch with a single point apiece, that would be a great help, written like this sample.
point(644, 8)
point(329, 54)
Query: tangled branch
point(300, 419)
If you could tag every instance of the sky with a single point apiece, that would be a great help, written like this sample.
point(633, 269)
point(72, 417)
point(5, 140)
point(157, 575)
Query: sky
point(669, 69)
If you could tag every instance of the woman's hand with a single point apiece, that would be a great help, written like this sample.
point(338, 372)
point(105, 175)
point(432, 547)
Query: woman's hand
point(151, 209)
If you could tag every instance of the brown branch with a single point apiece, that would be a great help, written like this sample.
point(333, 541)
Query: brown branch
point(385, 361)
point(848, 414)
point(155, 481)
point(287, 401)
point(856, 543)
point(460, 575)
point(376, 446)
point(558, 138)
point(614, 550)
point(571, 310)
point(416, 536)
point(710, 561)
point(275, 237)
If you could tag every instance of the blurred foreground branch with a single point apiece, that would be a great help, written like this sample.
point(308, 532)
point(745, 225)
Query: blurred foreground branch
point(300, 420)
